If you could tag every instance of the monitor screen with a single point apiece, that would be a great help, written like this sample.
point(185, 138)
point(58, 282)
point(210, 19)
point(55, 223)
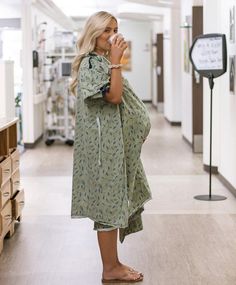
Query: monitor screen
point(66, 69)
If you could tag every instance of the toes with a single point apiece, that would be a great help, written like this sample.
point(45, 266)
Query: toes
point(137, 276)
point(132, 270)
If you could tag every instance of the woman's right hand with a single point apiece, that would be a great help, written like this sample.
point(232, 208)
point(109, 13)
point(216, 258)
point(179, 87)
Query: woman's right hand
point(118, 46)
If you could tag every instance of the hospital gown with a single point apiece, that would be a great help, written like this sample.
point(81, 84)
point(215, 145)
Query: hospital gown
point(109, 183)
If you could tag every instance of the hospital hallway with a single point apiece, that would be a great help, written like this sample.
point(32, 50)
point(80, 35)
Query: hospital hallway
point(184, 241)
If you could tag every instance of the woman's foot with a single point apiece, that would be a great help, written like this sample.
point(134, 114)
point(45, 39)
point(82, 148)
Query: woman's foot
point(122, 272)
point(130, 268)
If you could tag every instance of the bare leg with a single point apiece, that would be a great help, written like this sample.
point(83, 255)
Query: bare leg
point(112, 268)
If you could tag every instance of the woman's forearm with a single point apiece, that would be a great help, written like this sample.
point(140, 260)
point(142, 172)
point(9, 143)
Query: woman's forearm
point(116, 87)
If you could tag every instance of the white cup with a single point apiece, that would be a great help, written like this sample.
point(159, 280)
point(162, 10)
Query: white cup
point(113, 36)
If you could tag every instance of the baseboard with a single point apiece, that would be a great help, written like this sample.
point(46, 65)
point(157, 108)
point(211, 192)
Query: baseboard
point(173, 123)
point(187, 141)
point(198, 143)
point(227, 184)
point(147, 101)
point(214, 169)
point(160, 107)
point(32, 145)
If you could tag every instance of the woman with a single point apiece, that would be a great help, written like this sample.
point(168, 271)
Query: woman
point(109, 183)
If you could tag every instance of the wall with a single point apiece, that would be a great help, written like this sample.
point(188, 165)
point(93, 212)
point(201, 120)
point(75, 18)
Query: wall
point(172, 67)
point(10, 10)
point(187, 120)
point(7, 106)
point(227, 104)
point(211, 24)
point(12, 47)
point(176, 66)
point(10, 41)
point(216, 19)
point(139, 33)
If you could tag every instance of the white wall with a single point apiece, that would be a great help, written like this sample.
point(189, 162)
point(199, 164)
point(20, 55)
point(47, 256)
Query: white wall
point(187, 110)
point(10, 71)
point(172, 66)
point(10, 10)
point(12, 47)
point(167, 66)
point(139, 33)
point(211, 24)
point(7, 106)
point(216, 19)
point(176, 66)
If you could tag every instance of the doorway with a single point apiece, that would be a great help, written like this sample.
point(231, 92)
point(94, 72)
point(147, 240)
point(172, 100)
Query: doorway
point(160, 72)
point(197, 87)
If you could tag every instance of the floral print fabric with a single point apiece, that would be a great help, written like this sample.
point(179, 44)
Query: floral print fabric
point(109, 182)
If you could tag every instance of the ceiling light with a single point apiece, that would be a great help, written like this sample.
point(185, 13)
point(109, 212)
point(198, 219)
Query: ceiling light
point(169, 2)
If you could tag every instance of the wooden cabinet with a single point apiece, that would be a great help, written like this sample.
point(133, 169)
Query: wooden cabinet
point(11, 192)
point(15, 160)
point(18, 204)
point(15, 182)
point(5, 193)
point(5, 170)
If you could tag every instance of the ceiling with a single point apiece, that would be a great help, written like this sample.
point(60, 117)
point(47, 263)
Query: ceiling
point(68, 12)
point(129, 9)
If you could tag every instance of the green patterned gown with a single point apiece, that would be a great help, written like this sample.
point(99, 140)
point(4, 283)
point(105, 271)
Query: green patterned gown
point(109, 182)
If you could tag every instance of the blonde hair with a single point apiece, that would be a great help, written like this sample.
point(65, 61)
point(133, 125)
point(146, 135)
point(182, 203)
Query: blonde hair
point(94, 27)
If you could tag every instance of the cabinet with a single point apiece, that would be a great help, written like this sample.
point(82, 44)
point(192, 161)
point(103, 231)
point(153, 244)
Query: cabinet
point(11, 192)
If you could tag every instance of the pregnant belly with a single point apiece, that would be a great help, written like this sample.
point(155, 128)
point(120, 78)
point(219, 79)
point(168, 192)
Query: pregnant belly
point(135, 118)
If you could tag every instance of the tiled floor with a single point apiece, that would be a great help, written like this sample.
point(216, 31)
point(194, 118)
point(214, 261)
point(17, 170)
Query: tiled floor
point(184, 241)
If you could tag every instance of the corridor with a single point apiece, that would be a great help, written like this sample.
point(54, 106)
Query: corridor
point(184, 241)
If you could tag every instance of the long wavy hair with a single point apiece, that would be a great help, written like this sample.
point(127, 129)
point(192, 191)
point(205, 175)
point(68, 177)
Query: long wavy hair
point(94, 27)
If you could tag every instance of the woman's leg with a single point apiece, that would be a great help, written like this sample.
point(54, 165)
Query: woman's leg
point(112, 268)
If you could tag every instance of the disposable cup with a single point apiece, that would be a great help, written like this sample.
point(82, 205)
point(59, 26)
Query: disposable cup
point(113, 36)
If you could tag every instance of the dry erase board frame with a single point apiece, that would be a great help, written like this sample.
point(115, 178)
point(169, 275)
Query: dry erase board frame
point(223, 53)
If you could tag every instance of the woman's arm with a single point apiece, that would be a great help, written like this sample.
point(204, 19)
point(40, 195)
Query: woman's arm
point(114, 94)
point(116, 87)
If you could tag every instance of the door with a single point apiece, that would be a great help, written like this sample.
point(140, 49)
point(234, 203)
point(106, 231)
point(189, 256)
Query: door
point(160, 73)
point(197, 86)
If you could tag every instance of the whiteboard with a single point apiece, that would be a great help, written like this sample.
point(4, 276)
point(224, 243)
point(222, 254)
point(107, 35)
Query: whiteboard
point(207, 53)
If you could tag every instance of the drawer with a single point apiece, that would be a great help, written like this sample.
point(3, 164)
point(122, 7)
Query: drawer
point(5, 193)
point(15, 182)
point(15, 160)
point(5, 217)
point(5, 170)
point(18, 204)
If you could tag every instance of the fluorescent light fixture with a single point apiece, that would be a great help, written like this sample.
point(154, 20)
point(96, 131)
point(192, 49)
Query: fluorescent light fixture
point(165, 2)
